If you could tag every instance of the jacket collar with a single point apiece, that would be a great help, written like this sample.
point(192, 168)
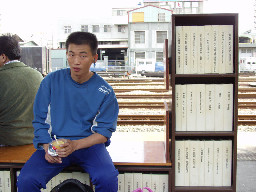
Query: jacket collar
point(12, 65)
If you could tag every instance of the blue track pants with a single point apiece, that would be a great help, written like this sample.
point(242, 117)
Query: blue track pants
point(95, 160)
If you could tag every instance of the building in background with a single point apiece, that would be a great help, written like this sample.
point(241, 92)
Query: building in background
point(247, 57)
point(178, 6)
point(247, 48)
point(148, 27)
point(130, 34)
point(28, 44)
point(112, 34)
point(118, 49)
point(127, 35)
point(37, 58)
point(58, 59)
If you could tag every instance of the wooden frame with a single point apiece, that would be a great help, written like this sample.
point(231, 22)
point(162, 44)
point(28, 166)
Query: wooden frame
point(153, 152)
point(206, 19)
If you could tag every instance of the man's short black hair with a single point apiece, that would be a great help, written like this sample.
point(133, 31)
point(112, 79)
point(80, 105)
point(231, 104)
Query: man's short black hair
point(81, 38)
point(10, 47)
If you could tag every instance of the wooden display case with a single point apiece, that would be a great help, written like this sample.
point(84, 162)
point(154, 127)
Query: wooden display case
point(181, 76)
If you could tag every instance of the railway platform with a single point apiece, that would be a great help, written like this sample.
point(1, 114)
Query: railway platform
point(246, 161)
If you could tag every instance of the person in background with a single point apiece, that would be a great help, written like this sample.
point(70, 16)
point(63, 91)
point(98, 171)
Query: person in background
point(18, 87)
point(83, 112)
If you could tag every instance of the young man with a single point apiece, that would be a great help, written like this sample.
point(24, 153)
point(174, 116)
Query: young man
point(18, 86)
point(84, 110)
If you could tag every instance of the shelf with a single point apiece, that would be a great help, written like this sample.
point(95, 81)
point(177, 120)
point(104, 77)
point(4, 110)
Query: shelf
point(205, 19)
point(210, 75)
point(207, 79)
point(204, 134)
point(196, 189)
point(199, 51)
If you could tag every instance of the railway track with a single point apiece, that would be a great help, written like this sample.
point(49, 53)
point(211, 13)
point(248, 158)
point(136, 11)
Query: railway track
point(246, 95)
point(148, 88)
point(147, 105)
point(161, 119)
point(247, 104)
point(141, 119)
point(169, 95)
point(139, 80)
point(249, 119)
point(247, 79)
point(118, 90)
point(149, 96)
point(136, 84)
point(247, 89)
point(161, 105)
point(125, 90)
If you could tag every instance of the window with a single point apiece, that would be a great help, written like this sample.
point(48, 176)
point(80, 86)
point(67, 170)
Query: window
point(161, 17)
point(95, 28)
point(139, 37)
point(163, 4)
point(195, 4)
point(109, 42)
point(120, 12)
point(121, 28)
point(171, 4)
point(62, 44)
point(84, 28)
point(243, 50)
point(187, 4)
point(194, 10)
point(67, 29)
point(178, 5)
point(139, 55)
point(187, 10)
point(161, 36)
point(107, 28)
point(159, 56)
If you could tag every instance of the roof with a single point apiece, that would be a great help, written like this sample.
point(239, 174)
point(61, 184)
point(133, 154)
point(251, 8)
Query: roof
point(148, 1)
point(28, 43)
point(149, 6)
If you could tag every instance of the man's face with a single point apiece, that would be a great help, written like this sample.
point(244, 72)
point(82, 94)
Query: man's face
point(80, 58)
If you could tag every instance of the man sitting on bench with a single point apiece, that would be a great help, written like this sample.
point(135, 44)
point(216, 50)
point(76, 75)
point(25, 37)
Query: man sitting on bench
point(18, 86)
point(84, 111)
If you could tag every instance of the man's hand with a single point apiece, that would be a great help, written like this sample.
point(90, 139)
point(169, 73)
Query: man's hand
point(72, 145)
point(50, 158)
point(67, 148)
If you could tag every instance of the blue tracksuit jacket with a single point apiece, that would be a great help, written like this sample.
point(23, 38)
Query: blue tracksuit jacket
point(77, 110)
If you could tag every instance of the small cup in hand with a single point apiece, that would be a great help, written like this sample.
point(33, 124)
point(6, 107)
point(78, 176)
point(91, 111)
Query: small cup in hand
point(53, 146)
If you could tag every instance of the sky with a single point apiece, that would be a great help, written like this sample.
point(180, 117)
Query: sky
point(245, 9)
point(27, 17)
